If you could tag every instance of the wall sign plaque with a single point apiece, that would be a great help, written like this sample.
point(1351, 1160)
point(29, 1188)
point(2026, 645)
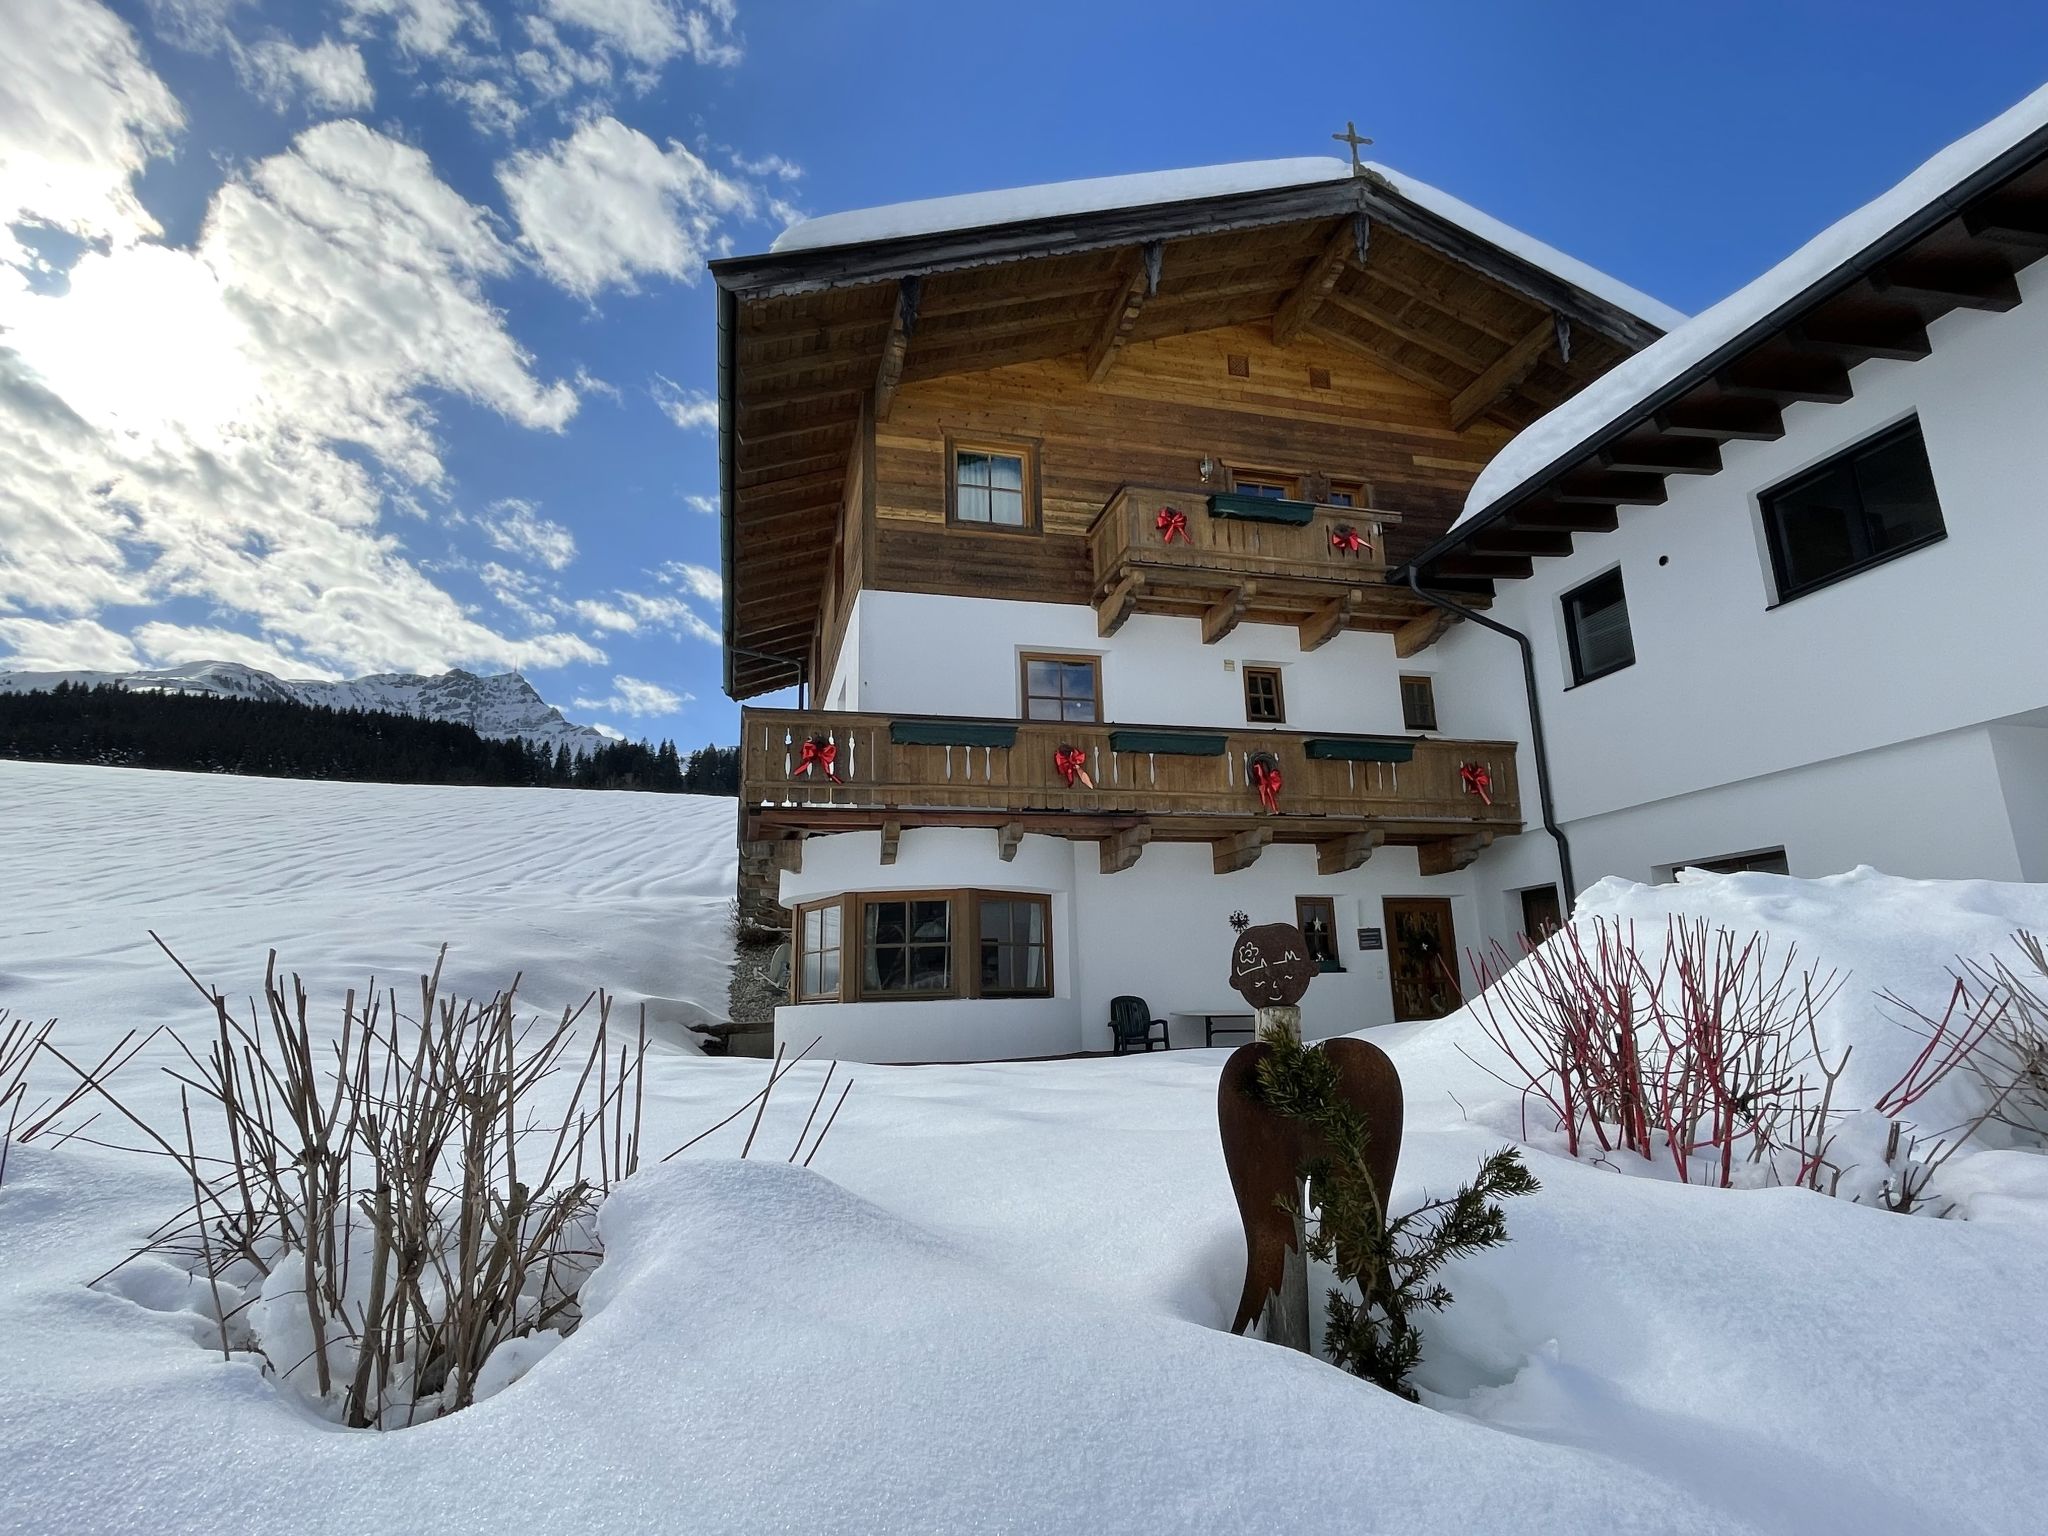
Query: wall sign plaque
point(1371, 938)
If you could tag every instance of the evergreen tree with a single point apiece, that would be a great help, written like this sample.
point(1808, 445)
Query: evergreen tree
point(1392, 1265)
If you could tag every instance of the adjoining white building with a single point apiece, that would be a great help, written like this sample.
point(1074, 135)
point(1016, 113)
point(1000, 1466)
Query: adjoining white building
point(1111, 535)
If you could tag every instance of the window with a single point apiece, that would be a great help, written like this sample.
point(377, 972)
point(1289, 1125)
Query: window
point(1016, 948)
point(1062, 687)
point(1316, 917)
point(1596, 623)
point(1418, 704)
point(1765, 861)
point(991, 486)
point(1857, 510)
point(1345, 495)
point(817, 968)
point(1264, 704)
point(923, 944)
point(906, 945)
point(1542, 914)
point(1257, 482)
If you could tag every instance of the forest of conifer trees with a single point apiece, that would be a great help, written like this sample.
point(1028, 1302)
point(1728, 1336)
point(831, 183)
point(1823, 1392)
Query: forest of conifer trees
point(204, 733)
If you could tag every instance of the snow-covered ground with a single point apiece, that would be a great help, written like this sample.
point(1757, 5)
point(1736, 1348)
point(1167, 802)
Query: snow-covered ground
point(995, 1300)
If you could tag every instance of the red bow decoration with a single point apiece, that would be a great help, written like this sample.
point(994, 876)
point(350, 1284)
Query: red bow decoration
point(819, 752)
point(1264, 772)
point(1477, 780)
point(1072, 763)
point(1347, 539)
point(1172, 523)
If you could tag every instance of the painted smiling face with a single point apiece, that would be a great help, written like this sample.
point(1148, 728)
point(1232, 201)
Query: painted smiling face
point(1270, 965)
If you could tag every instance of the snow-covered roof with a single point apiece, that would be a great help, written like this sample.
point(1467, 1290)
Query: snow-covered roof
point(1556, 439)
point(980, 210)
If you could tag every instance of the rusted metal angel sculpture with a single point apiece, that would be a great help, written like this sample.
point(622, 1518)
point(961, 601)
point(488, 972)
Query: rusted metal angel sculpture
point(1267, 1152)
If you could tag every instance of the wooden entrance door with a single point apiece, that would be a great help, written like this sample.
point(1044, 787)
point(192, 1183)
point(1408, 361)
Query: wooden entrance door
point(1422, 957)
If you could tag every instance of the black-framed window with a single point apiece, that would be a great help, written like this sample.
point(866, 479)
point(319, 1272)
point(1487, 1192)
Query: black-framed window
point(1264, 702)
point(1865, 506)
point(1418, 702)
point(1596, 624)
point(1015, 934)
point(906, 945)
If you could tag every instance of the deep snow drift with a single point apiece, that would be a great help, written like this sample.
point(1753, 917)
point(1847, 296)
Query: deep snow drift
point(994, 1302)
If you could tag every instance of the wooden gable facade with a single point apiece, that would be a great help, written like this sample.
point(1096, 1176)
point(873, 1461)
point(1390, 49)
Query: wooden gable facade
point(1335, 333)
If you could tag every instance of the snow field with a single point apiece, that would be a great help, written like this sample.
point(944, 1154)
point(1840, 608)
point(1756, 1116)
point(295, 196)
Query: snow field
point(995, 1301)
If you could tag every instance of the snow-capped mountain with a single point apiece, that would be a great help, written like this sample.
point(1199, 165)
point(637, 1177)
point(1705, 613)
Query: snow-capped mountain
point(502, 705)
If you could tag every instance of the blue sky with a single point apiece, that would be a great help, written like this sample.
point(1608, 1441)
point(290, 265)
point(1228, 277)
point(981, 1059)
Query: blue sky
point(365, 334)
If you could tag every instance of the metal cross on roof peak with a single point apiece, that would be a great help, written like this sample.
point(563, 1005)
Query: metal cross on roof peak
point(1351, 136)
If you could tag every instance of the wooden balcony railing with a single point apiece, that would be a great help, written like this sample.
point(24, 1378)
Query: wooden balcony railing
point(1185, 783)
point(1229, 558)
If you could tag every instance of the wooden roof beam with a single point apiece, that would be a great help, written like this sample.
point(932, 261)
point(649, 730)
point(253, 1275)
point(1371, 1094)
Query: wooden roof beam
point(1505, 373)
point(1371, 314)
point(1786, 378)
point(2015, 221)
point(1329, 621)
point(1240, 850)
point(889, 373)
point(1896, 332)
point(1338, 855)
point(1976, 282)
point(1610, 488)
point(1379, 355)
point(1140, 283)
point(1227, 612)
point(1487, 567)
point(1721, 420)
point(1554, 516)
point(1504, 538)
point(1419, 634)
point(1663, 456)
point(1446, 855)
point(1121, 851)
point(1346, 246)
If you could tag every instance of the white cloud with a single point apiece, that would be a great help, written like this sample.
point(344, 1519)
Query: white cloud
point(700, 579)
point(691, 409)
point(518, 528)
point(708, 505)
point(327, 75)
point(604, 615)
point(608, 204)
point(232, 423)
point(432, 29)
point(38, 645)
point(170, 645)
point(633, 696)
point(768, 165)
point(80, 117)
point(651, 32)
point(492, 109)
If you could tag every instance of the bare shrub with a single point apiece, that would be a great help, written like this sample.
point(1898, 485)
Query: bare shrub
point(19, 1042)
point(377, 1212)
point(1708, 1052)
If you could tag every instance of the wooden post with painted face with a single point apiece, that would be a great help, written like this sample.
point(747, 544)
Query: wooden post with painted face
point(1270, 969)
point(1265, 1151)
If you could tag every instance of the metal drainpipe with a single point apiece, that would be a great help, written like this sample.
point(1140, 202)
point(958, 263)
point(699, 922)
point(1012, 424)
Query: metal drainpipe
point(1564, 846)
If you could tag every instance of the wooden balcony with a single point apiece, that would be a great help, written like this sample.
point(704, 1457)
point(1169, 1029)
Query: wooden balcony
point(1230, 559)
point(1346, 794)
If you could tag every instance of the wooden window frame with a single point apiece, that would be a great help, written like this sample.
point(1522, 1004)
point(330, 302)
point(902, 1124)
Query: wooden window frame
point(797, 951)
point(1304, 907)
point(1580, 675)
point(1428, 682)
point(1359, 491)
point(1064, 658)
point(1291, 483)
point(1025, 449)
point(1770, 507)
point(1043, 902)
point(963, 921)
point(1279, 716)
